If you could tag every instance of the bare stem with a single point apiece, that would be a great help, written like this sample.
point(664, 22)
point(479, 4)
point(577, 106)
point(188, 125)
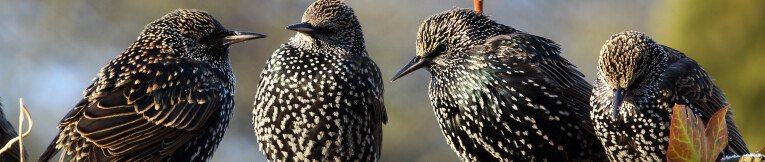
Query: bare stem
point(23, 134)
point(478, 6)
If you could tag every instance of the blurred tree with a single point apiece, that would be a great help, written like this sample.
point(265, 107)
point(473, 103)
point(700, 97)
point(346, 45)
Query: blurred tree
point(726, 38)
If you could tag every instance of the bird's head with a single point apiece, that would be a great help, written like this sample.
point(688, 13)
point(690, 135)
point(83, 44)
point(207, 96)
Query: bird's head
point(446, 38)
point(329, 23)
point(192, 34)
point(625, 61)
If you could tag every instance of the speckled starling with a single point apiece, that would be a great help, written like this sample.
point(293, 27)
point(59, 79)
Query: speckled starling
point(7, 132)
point(500, 94)
point(639, 81)
point(321, 97)
point(168, 97)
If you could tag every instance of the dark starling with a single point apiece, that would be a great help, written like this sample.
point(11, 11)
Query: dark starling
point(645, 80)
point(7, 132)
point(320, 97)
point(500, 94)
point(168, 97)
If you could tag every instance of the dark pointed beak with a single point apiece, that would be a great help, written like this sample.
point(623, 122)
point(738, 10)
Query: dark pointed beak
point(416, 63)
point(239, 36)
point(302, 27)
point(619, 95)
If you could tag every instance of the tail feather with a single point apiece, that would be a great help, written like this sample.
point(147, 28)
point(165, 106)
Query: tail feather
point(50, 151)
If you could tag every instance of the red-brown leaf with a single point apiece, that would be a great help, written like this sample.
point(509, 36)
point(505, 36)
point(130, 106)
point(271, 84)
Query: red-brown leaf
point(690, 141)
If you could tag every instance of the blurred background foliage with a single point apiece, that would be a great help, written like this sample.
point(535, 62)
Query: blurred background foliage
point(51, 49)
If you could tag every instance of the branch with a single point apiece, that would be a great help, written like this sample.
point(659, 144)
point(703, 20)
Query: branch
point(23, 134)
point(478, 6)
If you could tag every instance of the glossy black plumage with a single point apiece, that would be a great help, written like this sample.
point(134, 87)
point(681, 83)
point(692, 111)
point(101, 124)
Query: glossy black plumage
point(320, 97)
point(500, 94)
point(7, 132)
point(167, 97)
point(650, 79)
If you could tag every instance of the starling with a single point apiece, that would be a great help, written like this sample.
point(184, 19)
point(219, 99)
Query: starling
point(7, 132)
point(320, 97)
point(500, 94)
point(639, 81)
point(167, 97)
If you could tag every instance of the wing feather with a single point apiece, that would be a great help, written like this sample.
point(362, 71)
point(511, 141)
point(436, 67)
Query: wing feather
point(152, 110)
point(686, 79)
point(534, 54)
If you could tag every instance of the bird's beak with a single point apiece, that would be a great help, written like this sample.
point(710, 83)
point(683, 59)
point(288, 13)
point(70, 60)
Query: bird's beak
point(416, 63)
point(239, 36)
point(619, 95)
point(305, 28)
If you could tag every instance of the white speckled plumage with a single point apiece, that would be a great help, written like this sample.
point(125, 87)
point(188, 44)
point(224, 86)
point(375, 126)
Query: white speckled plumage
point(320, 97)
point(650, 78)
point(500, 94)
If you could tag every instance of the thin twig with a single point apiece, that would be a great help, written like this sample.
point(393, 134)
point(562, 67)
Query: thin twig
point(478, 4)
point(21, 126)
point(23, 134)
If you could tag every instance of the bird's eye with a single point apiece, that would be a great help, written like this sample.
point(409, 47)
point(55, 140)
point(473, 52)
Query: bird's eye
point(326, 31)
point(635, 82)
point(440, 49)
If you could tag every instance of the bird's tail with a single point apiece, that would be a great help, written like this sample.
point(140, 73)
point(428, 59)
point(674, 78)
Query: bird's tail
point(50, 151)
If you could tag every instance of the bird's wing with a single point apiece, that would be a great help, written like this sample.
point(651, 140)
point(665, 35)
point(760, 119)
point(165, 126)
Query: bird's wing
point(375, 100)
point(365, 65)
point(153, 108)
point(70, 117)
point(686, 79)
point(532, 53)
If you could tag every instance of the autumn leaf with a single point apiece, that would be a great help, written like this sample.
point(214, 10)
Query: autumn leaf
point(689, 140)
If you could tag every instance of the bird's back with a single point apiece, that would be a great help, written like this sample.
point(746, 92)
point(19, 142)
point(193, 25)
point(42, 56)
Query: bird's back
point(148, 105)
point(150, 116)
point(687, 83)
point(516, 98)
point(167, 97)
